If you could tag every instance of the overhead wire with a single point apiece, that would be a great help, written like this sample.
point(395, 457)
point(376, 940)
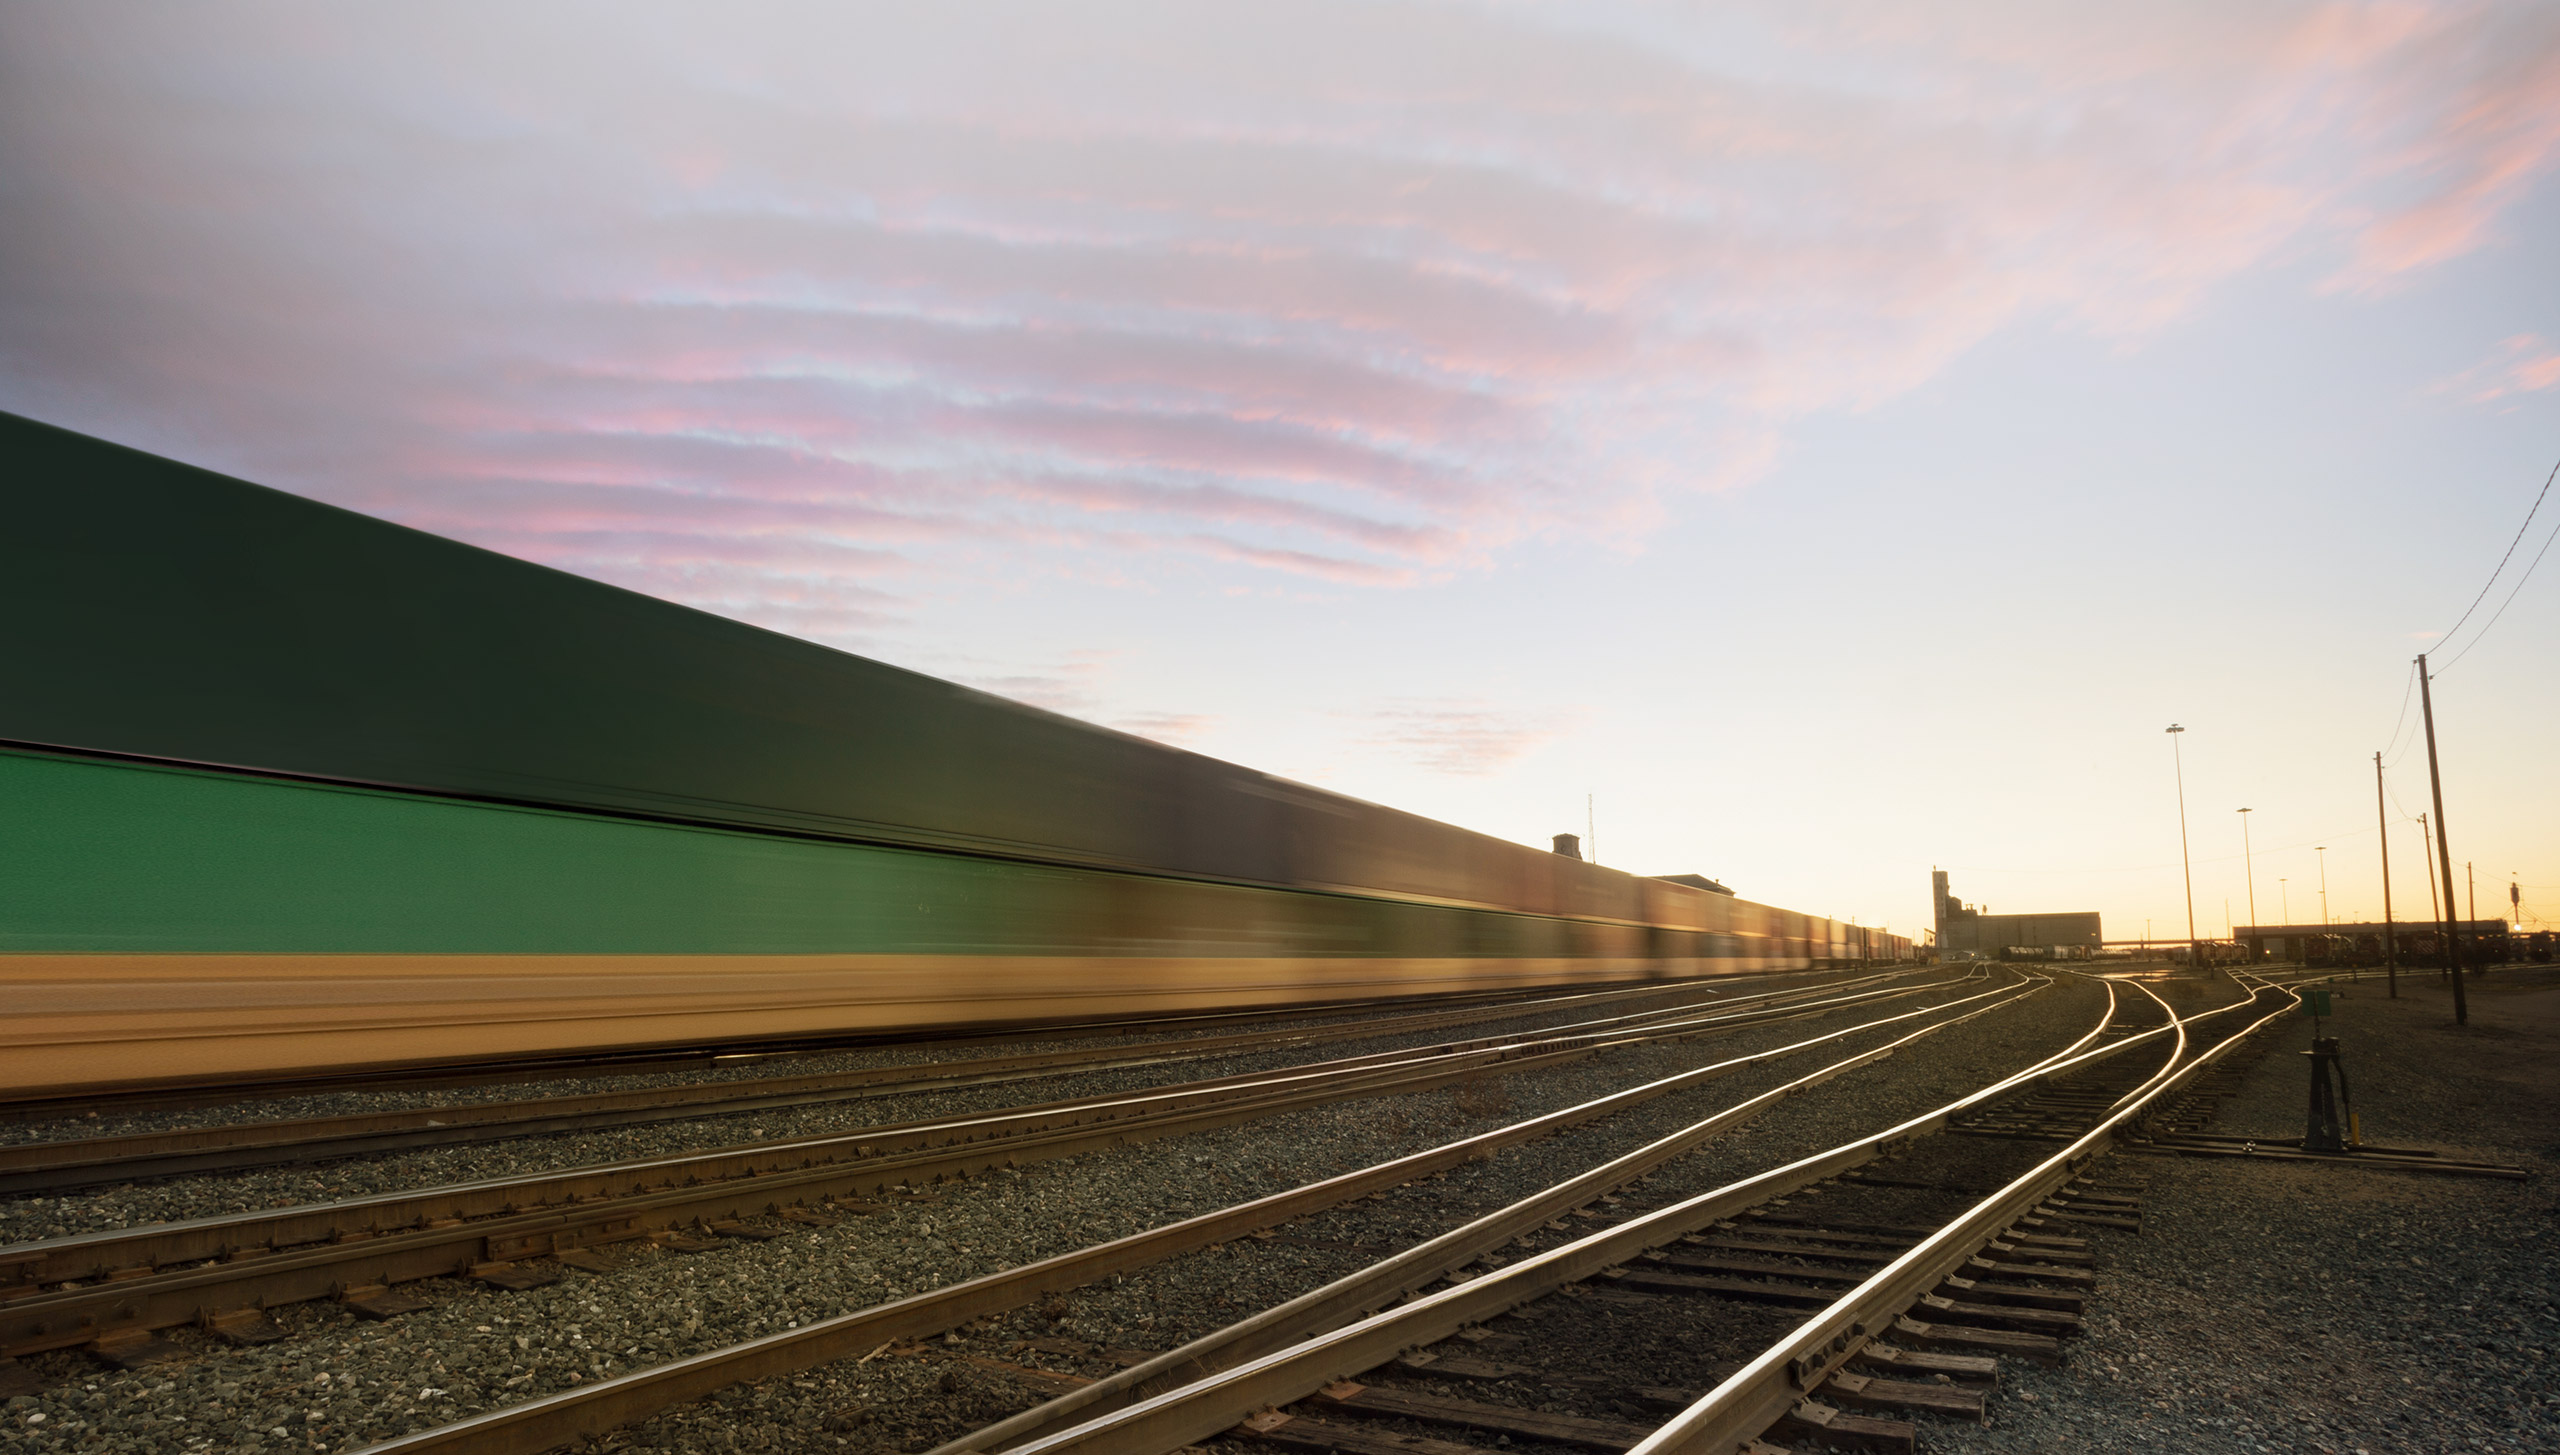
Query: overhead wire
point(2408, 689)
point(2395, 750)
point(2510, 601)
point(2510, 555)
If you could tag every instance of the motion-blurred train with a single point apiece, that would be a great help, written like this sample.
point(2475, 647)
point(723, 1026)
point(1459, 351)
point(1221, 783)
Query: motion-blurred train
point(286, 788)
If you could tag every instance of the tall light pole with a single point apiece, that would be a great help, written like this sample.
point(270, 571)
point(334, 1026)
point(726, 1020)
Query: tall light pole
point(2186, 867)
point(2251, 864)
point(2284, 886)
point(2428, 847)
point(2323, 852)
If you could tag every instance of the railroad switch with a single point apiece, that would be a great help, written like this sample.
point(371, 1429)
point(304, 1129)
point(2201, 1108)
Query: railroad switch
point(2332, 1126)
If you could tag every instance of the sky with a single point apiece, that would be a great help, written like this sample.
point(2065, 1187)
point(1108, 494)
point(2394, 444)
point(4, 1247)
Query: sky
point(1810, 443)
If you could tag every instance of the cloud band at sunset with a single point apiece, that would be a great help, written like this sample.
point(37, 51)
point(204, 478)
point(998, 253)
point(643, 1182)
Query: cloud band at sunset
point(782, 310)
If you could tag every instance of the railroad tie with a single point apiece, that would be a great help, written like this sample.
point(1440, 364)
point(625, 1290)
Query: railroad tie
point(1578, 1430)
point(376, 1301)
point(244, 1326)
point(1793, 1295)
point(513, 1277)
point(134, 1348)
point(1873, 1392)
point(1751, 1267)
point(1304, 1432)
point(1823, 1424)
point(2034, 1348)
point(1956, 1287)
point(1997, 1316)
point(1980, 1267)
point(1969, 1370)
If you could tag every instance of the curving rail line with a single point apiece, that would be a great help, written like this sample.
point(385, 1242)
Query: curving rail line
point(559, 1419)
point(110, 1289)
point(1745, 1405)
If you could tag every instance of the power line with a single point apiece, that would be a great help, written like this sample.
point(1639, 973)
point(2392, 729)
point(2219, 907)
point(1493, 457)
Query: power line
point(2510, 601)
point(2405, 815)
point(2510, 555)
point(2408, 690)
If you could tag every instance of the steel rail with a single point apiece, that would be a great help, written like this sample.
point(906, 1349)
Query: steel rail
point(547, 1423)
point(87, 1255)
point(664, 1059)
point(153, 1277)
point(61, 1165)
point(1733, 1414)
point(1212, 1405)
point(1358, 1294)
point(2176, 1054)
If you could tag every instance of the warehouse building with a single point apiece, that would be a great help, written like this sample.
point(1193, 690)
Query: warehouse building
point(1964, 929)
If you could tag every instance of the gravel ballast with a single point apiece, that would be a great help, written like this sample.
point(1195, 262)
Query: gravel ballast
point(2350, 1311)
point(912, 1403)
point(479, 1348)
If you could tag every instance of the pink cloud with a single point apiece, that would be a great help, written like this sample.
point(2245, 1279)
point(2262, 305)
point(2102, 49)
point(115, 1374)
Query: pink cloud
point(2524, 364)
point(796, 319)
point(1468, 739)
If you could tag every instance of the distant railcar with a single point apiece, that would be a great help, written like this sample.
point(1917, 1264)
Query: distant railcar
point(285, 788)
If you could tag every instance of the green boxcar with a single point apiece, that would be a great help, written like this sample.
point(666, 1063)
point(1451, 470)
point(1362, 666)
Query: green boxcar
point(285, 787)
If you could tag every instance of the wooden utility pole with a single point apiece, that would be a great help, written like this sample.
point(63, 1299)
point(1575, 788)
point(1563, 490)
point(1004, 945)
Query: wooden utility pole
point(2390, 951)
point(2444, 851)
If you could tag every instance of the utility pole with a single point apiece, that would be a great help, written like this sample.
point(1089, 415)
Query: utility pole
point(2185, 867)
point(2444, 851)
point(2470, 893)
point(2390, 951)
point(1590, 831)
point(2251, 862)
point(2323, 852)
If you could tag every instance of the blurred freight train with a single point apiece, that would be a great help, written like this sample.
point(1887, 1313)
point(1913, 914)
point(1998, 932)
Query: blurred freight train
point(286, 788)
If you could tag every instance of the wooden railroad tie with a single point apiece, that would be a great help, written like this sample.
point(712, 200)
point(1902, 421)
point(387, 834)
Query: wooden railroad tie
point(1492, 1419)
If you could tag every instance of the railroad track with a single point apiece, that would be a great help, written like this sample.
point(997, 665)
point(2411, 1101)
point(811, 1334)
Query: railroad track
point(1855, 1303)
point(196, 1094)
point(54, 1166)
point(110, 1291)
point(542, 1424)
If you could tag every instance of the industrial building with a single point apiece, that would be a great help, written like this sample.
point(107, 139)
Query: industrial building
point(1964, 929)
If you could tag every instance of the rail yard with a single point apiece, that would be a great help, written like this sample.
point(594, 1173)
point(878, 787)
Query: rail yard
point(457, 1007)
point(1821, 1209)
